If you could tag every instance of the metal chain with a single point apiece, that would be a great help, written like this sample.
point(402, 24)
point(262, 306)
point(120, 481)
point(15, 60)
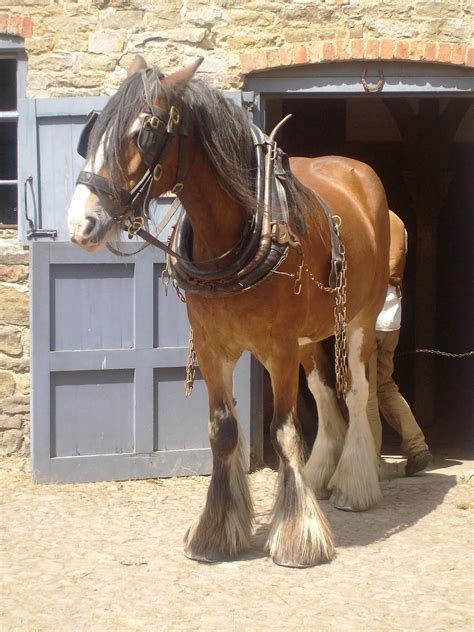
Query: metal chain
point(340, 352)
point(436, 352)
point(191, 365)
point(341, 363)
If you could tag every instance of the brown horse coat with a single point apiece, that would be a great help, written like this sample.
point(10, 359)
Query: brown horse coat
point(280, 328)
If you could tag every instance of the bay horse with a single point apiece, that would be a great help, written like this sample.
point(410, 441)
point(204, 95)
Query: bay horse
point(205, 146)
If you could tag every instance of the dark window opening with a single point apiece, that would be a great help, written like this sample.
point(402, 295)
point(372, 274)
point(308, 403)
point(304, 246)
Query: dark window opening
point(8, 91)
point(8, 142)
point(8, 205)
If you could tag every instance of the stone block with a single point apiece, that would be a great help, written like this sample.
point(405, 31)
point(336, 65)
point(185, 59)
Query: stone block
point(7, 385)
point(130, 20)
point(11, 442)
point(12, 252)
point(23, 384)
point(14, 306)
point(10, 340)
point(13, 274)
point(16, 364)
point(39, 45)
point(106, 42)
point(15, 405)
point(10, 422)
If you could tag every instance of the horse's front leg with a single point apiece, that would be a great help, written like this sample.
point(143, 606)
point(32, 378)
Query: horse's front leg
point(299, 534)
point(355, 483)
point(225, 525)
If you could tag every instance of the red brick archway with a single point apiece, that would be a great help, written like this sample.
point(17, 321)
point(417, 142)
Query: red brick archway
point(357, 50)
point(14, 24)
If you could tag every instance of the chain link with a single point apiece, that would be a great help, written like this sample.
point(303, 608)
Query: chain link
point(340, 353)
point(191, 365)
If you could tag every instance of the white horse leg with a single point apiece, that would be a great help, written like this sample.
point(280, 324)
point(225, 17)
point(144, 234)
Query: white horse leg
point(224, 527)
point(332, 428)
point(355, 483)
point(299, 534)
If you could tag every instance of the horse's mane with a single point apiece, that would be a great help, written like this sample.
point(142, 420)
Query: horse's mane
point(222, 126)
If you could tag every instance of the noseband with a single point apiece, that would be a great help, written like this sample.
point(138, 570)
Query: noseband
point(153, 143)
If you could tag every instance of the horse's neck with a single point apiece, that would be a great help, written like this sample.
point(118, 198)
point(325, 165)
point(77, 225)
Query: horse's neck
point(216, 218)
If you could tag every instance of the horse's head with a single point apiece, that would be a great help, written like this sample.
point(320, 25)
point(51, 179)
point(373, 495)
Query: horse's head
point(133, 153)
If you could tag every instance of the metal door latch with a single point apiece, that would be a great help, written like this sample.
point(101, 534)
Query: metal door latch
point(33, 232)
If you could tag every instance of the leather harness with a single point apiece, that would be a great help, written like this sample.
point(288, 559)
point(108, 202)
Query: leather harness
point(267, 236)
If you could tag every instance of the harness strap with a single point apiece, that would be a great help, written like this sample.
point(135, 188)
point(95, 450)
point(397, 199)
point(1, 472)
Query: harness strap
point(336, 248)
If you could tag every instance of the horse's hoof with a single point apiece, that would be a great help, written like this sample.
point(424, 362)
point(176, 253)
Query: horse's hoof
point(295, 563)
point(201, 557)
point(341, 502)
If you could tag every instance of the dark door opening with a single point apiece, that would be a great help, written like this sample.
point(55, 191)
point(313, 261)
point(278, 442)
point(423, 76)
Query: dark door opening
point(363, 128)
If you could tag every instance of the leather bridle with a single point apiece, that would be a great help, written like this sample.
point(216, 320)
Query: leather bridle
point(263, 243)
point(153, 142)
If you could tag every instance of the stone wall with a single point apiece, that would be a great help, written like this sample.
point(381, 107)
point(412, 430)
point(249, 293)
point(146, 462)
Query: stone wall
point(82, 47)
point(14, 345)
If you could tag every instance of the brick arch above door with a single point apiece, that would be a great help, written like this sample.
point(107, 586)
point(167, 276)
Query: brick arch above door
point(370, 49)
point(14, 24)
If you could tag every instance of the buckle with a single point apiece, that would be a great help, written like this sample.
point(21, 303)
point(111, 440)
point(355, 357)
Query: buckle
point(177, 188)
point(157, 172)
point(135, 224)
point(153, 122)
point(174, 116)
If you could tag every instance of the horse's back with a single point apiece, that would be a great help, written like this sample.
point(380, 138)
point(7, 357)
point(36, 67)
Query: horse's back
point(341, 178)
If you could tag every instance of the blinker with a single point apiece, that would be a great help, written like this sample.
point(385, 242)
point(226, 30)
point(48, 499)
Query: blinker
point(83, 143)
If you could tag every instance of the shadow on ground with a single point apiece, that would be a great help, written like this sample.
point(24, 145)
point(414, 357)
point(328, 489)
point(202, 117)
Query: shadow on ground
point(405, 501)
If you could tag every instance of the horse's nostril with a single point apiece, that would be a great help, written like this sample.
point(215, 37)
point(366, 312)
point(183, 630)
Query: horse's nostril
point(90, 226)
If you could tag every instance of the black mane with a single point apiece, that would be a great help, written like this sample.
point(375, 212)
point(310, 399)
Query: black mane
point(223, 128)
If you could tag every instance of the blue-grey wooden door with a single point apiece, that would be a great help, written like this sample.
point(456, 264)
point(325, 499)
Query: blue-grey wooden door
point(109, 349)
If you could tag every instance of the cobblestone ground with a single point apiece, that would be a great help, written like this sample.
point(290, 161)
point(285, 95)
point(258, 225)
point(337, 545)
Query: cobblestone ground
point(108, 556)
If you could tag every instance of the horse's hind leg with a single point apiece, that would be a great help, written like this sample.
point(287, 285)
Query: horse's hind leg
point(332, 428)
point(355, 483)
point(224, 527)
point(299, 534)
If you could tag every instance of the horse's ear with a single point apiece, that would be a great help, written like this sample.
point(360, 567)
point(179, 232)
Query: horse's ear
point(137, 64)
point(180, 78)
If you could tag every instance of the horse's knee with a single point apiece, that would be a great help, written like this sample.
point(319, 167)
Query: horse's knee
point(223, 432)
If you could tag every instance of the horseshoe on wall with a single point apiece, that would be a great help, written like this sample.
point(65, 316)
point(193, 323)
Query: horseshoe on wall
point(373, 87)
